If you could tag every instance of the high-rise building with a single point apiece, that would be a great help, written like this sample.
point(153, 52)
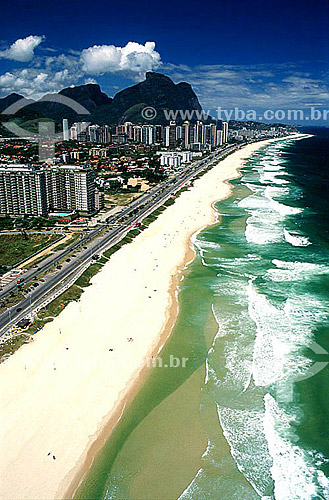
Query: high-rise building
point(128, 130)
point(94, 133)
point(219, 138)
point(70, 187)
point(225, 131)
point(120, 129)
point(65, 130)
point(158, 133)
point(210, 134)
point(22, 191)
point(74, 132)
point(186, 134)
point(104, 134)
point(99, 199)
point(179, 132)
point(199, 135)
point(137, 133)
point(148, 134)
point(170, 135)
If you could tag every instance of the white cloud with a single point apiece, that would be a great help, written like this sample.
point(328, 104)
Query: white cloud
point(23, 49)
point(35, 83)
point(275, 86)
point(133, 60)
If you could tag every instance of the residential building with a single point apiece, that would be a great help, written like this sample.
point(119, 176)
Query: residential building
point(99, 199)
point(225, 131)
point(170, 159)
point(22, 191)
point(70, 187)
point(65, 130)
point(186, 135)
point(219, 138)
point(148, 134)
point(170, 135)
point(137, 133)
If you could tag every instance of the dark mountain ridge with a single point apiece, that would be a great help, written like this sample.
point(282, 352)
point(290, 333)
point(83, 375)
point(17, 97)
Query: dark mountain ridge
point(157, 91)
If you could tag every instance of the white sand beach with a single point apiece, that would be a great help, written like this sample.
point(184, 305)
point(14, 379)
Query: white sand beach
point(58, 392)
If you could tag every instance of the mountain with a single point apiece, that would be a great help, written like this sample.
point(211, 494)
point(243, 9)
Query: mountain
point(5, 102)
point(23, 116)
point(157, 91)
point(89, 96)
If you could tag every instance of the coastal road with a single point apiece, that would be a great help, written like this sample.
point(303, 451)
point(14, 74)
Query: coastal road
point(84, 251)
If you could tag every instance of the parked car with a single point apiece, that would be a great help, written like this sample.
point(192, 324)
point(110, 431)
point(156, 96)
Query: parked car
point(68, 260)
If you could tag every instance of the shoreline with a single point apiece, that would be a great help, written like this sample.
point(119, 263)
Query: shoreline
point(84, 428)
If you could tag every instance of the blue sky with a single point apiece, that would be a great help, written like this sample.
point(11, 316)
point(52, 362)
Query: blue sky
point(255, 54)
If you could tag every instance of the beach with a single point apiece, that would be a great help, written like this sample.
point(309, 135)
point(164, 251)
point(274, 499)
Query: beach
point(62, 393)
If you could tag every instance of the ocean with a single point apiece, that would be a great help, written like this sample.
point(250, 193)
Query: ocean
point(247, 417)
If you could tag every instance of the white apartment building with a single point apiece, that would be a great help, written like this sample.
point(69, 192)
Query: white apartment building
point(22, 191)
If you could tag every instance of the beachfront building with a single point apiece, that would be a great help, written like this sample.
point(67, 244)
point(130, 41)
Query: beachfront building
point(175, 158)
point(38, 191)
point(173, 161)
point(70, 188)
point(22, 191)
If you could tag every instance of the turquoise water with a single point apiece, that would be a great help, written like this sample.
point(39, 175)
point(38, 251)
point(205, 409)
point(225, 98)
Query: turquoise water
point(248, 418)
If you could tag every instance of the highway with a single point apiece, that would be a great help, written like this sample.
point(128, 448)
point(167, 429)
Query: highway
point(84, 249)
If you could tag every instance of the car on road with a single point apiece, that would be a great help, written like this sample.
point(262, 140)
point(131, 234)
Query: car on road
point(42, 280)
point(18, 309)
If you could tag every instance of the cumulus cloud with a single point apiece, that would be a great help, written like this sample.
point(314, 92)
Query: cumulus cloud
point(35, 83)
point(23, 49)
point(133, 60)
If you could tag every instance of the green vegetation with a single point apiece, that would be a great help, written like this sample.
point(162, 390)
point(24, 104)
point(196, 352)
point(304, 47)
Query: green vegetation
point(73, 238)
point(12, 299)
point(57, 305)
point(15, 247)
point(12, 345)
point(26, 222)
point(85, 278)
